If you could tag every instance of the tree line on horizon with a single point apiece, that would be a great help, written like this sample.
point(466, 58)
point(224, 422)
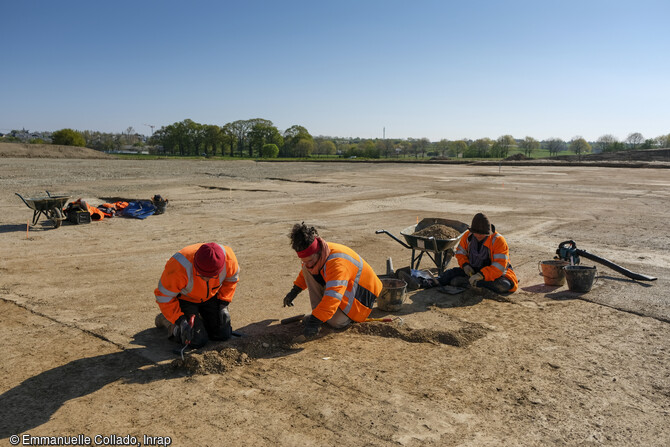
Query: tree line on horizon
point(260, 138)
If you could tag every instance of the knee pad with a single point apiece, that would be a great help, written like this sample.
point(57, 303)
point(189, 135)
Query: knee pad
point(502, 285)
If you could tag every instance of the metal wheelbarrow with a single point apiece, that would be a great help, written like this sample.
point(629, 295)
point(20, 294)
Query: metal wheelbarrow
point(439, 250)
point(50, 207)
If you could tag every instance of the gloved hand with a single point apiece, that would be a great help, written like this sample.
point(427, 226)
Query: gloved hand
point(288, 299)
point(185, 330)
point(474, 278)
point(224, 319)
point(467, 268)
point(312, 325)
point(224, 314)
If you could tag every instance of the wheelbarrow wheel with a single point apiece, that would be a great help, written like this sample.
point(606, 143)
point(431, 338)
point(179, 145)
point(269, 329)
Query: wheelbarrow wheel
point(56, 216)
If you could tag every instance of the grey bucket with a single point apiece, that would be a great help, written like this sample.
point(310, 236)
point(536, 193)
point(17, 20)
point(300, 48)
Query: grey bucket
point(580, 277)
point(552, 272)
point(392, 295)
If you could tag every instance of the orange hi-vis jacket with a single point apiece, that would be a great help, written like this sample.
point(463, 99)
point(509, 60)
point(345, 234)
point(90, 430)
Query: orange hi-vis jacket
point(180, 281)
point(95, 213)
point(500, 263)
point(351, 285)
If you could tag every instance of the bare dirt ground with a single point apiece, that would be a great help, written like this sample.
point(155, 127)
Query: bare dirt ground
point(545, 366)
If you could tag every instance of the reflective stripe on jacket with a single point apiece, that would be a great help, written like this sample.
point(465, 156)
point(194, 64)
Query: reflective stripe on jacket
point(351, 285)
point(180, 281)
point(500, 262)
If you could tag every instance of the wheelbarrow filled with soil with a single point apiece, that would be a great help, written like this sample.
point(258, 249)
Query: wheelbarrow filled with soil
point(433, 236)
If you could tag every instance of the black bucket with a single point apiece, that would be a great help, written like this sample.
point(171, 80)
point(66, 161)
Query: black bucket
point(160, 203)
point(580, 277)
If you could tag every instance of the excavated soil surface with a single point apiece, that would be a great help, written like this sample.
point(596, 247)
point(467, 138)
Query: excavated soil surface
point(543, 366)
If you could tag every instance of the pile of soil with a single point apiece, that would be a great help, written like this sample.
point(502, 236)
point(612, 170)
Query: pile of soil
point(662, 155)
point(517, 157)
point(23, 150)
point(438, 231)
point(460, 337)
point(224, 356)
point(212, 362)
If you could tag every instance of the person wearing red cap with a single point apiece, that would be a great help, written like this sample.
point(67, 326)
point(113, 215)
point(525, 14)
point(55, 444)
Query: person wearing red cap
point(483, 259)
point(342, 286)
point(194, 291)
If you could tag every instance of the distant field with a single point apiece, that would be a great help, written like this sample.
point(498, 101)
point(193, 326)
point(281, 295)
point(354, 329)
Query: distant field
point(22, 150)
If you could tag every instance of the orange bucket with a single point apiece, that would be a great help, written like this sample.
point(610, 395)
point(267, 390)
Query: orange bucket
point(552, 272)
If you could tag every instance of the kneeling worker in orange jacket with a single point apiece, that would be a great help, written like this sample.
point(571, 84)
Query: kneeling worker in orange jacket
point(483, 259)
point(342, 286)
point(194, 291)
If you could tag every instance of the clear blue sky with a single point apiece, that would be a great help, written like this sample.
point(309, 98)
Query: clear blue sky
point(349, 68)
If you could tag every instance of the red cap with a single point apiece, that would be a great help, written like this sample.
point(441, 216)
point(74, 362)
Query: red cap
point(209, 259)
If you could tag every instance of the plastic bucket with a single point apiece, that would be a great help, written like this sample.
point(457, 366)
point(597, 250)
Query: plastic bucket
point(552, 272)
point(392, 295)
point(580, 277)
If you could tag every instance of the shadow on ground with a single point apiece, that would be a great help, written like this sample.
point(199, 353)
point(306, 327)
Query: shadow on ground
point(12, 228)
point(33, 402)
point(564, 293)
point(423, 300)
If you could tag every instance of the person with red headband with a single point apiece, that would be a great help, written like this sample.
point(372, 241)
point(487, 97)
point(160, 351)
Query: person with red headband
point(194, 291)
point(342, 286)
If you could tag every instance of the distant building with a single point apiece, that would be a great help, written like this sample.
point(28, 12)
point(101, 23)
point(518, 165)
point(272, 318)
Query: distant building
point(25, 136)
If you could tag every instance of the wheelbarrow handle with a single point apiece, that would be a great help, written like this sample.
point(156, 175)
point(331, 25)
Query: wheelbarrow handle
point(24, 200)
point(394, 238)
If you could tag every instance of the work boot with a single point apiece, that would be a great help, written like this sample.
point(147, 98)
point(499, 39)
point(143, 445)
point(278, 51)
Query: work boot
point(162, 322)
point(411, 282)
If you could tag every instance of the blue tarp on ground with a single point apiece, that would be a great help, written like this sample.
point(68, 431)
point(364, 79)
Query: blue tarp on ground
point(139, 210)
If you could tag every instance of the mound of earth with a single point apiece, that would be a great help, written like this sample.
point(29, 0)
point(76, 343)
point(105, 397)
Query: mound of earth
point(516, 157)
point(438, 231)
point(23, 150)
point(224, 356)
point(629, 155)
point(213, 362)
point(461, 337)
